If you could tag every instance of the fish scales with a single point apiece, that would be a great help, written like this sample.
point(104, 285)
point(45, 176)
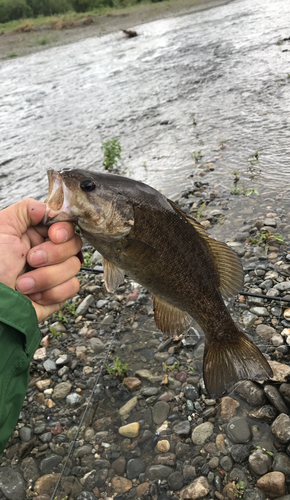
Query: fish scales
point(139, 232)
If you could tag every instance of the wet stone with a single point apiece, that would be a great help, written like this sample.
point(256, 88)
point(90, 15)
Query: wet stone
point(97, 345)
point(119, 465)
point(124, 410)
point(201, 433)
point(266, 413)
point(226, 463)
point(29, 469)
point(182, 428)
point(250, 494)
point(272, 483)
point(259, 311)
point(281, 428)
point(87, 495)
point(80, 452)
point(228, 407)
point(285, 391)
point(46, 437)
point(135, 466)
point(249, 318)
point(240, 452)
point(132, 383)
point(48, 463)
point(25, 434)
point(275, 398)
point(121, 484)
point(130, 430)
point(199, 488)
point(64, 359)
point(61, 390)
point(49, 365)
point(160, 412)
point(163, 445)
point(260, 462)
point(213, 463)
point(265, 331)
point(238, 430)
point(191, 392)
point(12, 484)
point(282, 464)
point(175, 481)
point(158, 472)
point(250, 392)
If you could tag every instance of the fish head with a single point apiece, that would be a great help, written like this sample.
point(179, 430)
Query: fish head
point(91, 200)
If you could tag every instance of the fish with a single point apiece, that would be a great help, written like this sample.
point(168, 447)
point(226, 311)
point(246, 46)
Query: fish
point(143, 234)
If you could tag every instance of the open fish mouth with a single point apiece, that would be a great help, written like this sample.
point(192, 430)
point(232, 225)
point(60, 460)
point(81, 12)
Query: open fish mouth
point(59, 200)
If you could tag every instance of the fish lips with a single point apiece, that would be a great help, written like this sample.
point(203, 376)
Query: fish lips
point(59, 200)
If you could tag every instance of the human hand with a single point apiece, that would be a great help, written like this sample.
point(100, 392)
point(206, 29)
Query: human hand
point(51, 251)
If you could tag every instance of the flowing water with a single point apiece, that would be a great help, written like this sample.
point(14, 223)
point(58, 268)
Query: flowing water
point(216, 81)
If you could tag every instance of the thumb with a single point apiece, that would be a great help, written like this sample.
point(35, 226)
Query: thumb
point(21, 215)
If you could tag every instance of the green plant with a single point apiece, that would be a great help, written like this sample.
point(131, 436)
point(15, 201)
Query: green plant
point(43, 41)
point(118, 369)
point(55, 334)
point(190, 369)
point(170, 368)
point(12, 54)
point(70, 308)
point(254, 162)
point(196, 155)
point(266, 236)
point(112, 153)
point(60, 316)
point(240, 489)
point(263, 449)
point(199, 214)
point(193, 119)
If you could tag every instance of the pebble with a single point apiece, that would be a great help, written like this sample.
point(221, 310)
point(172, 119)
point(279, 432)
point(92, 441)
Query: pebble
point(191, 392)
point(238, 430)
point(240, 452)
point(250, 392)
point(201, 433)
point(266, 413)
point(25, 434)
point(226, 463)
point(259, 311)
point(12, 484)
point(163, 446)
point(58, 327)
point(199, 488)
point(281, 428)
point(144, 373)
point(249, 318)
point(281, 372)
point(124, 410)
point(175, 481)
point(285, 391)
point(64, 359)
point(132, 383)
point(48, 463)
point(160, 412)
point(227, 407)
point(130, 430)
point(61, 390)
point(266, 332)
point(272, 484)
point(49, 365)
point(97, 345)
point(73, 399)
point(84, 305)
point(121, 484)
point(43, 384)
point(182, 428)
point(108, 320)
point(275, 398)
point(158, 472)
point(282, 464)
point(260, 462)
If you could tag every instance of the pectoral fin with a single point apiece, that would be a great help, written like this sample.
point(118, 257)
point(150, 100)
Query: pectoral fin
point(113, 276)
point(170, 319)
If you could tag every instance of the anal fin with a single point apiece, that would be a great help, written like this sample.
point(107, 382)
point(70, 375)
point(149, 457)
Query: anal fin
point(113, 276)
point(170, 319)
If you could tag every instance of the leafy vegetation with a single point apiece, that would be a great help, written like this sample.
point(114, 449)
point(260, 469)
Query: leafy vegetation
point(199, 214)
point(240, 489)
point(170, 368)
point(55, 334)
point(196, 155)
point(265, 238)
point(88, 258)
point(112, 153)
point(118, 369)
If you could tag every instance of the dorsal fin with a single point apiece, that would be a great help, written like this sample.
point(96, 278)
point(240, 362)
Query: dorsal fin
point(113, 276)
point(228, 264)
point(168, 318)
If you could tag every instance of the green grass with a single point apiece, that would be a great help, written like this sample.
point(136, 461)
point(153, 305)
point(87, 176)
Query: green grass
point(43, 41)
point(12, 54)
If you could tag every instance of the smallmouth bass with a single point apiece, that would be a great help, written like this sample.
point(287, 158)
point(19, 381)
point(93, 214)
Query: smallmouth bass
point(145, 235)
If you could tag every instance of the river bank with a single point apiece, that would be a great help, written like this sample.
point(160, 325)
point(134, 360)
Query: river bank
point(28, 40)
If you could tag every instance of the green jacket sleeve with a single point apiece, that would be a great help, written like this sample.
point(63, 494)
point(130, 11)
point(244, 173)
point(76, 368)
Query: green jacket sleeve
point(19, 338)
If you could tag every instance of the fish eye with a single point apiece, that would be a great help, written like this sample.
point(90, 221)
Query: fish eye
point(88, 185)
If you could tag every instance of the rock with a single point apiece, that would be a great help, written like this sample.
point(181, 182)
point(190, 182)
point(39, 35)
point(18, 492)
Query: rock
point(166, 459)
point(228, 407)
point(61, 390)
point(277, 340)
point(48, 463)
point(64, 359)
point(249, 318)
point(130, 430)
point(97, 345)
point(260, 462)
point(163, 445)
point(45, 484)
point(82, 451)
point(144, 374)
point(12, 484)
point(259, 311)
point(135, 467)
point(43, 384)
point(124, 410)
point(272, 484)
point(266, 332)
point(85, 495)
point(281, 428)
point(25, 434)
point(285, 391)
point(141, 489)
point(267, 413)
point(275, 398)
point(108, 320)
point(49, 365)
point(240, 452)
point(73, 399)
point(29, 469)
point(238, 430)
point(119, 465)
point(226, 463)
point(220, 442)
point(282, 464)
point(121, 484)
point(201, 433)
point(191, 392)
point(250, 494)
point(280, 372)
point(58, 327)
point(160, 412)
point(213, 463)
point(182, 428)
point(175, 481)
point(282, 287)
point(84, 305)
point(158, 472)
point(199, 488)
point(250, 392)
point(132, 383)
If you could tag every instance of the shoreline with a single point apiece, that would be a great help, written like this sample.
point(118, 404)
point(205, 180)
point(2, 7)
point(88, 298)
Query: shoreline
point(18, 44)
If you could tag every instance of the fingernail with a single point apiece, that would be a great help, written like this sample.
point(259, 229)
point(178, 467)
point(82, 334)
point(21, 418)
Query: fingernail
point(37, 258)
point(61, 235)
point(25, 284)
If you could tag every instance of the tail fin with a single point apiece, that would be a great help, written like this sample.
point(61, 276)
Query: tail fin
point(226, 363)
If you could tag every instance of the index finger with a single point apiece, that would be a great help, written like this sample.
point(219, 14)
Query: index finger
point(61, 232)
